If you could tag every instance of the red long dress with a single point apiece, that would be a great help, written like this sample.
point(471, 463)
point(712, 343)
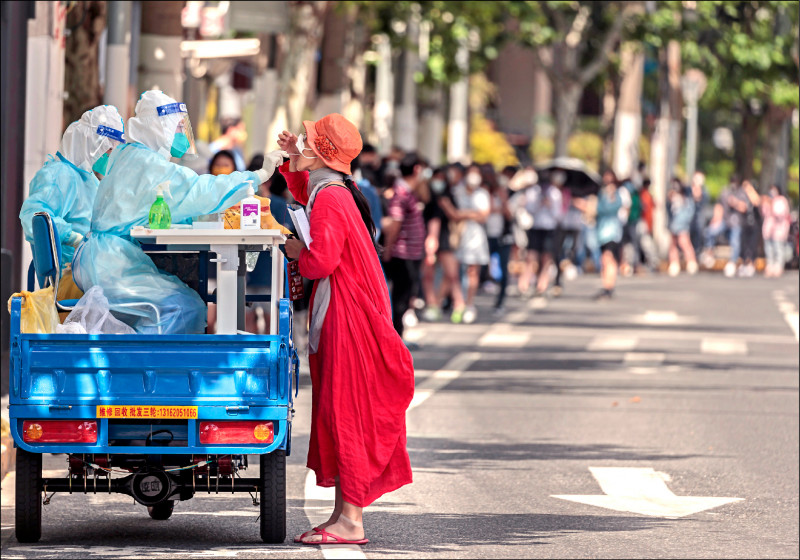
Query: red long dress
point(362, 376)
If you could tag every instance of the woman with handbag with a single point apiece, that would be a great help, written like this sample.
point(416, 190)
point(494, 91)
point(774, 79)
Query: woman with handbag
point(362, 374)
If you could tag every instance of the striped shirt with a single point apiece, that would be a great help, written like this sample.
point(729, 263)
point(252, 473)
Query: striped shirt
point(405, 208)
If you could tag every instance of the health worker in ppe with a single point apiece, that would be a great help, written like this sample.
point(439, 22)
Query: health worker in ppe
point(66, 186)
point(147, 299)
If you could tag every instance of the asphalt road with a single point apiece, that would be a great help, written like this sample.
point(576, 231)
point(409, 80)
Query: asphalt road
point(677, 388)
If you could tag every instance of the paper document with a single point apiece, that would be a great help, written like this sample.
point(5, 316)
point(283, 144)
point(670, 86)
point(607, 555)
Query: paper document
point(301, 225)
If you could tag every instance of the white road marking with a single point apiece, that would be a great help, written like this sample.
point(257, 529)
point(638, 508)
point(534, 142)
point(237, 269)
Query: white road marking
point(789, 312)
point(513, 340)
point(644, 491)
point(722, 346)
point(644, 357)
point(613, 343)
point(452, 370)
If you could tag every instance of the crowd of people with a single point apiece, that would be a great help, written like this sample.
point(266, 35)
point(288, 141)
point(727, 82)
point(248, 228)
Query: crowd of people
point(451, 232)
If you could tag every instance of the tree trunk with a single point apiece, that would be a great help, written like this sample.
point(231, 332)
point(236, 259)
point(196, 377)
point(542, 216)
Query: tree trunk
point(81, 73)
point(771, 150)
point(567, 97)
point(610, 108)
point(628, 119)
point(296, 76)
point(746, 146)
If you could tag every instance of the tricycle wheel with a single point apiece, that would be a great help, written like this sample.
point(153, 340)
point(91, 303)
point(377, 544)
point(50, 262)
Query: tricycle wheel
point(29, 497)
point(273, 497)
point(162, 510)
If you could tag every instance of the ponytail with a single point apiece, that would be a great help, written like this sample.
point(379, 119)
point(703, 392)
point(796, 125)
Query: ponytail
point(364, 210)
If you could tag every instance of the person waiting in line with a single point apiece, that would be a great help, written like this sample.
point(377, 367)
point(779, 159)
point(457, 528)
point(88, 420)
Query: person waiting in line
point(775, 212)
point(699, 193)
point(750, 229)
point(439, 214)
point(498, 232)
point(404, 238)
point(66, 186)
point(567, 232)
point(727, 219)
point(610, 217)
point(474, 204)
point(680, 213)
point(223, 163)
point(362, 375)
point(543, 202)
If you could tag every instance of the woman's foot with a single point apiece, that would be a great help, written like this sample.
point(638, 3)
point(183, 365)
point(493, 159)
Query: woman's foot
point(344, 527)
point(333, 519)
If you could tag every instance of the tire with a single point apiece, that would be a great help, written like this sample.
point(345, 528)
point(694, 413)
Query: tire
point(161, 511)
point(273, 497)
point(28, 519)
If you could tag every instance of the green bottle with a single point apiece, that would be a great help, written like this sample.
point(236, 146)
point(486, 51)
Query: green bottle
point(160, 217)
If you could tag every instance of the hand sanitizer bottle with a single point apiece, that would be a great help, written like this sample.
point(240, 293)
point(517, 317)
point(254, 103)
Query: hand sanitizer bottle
point(160, 217)
point(251, 210)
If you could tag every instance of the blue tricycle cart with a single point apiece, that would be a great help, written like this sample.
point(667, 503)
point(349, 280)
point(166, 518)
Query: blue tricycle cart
point(158, 417)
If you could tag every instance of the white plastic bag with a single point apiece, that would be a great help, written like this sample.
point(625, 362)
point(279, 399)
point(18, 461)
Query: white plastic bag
point(92, 315)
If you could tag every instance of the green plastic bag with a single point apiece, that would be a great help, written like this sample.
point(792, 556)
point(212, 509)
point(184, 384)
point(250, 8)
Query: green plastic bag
point(39, 313)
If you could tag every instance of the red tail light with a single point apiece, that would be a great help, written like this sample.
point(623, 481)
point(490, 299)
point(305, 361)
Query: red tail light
point(59, 431)
point(236, 431)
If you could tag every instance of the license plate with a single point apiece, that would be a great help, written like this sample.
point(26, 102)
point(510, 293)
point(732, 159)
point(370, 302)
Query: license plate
point(156, 412)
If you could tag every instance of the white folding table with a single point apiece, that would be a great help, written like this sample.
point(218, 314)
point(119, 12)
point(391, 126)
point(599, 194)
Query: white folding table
point(227, 244)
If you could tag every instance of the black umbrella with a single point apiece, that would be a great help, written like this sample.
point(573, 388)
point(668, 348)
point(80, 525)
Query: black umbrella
point(581, 180)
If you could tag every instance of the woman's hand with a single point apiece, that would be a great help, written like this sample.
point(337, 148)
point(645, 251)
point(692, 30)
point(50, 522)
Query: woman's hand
point(286, 142)
point(293, 248)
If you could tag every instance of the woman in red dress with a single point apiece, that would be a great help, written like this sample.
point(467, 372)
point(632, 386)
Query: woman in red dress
point(362, 374)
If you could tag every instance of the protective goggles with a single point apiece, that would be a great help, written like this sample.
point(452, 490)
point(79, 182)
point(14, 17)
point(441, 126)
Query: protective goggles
point(183, 143)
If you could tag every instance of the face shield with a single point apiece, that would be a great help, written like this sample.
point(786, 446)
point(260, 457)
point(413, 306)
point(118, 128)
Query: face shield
point(114, 135)
point(176, 118)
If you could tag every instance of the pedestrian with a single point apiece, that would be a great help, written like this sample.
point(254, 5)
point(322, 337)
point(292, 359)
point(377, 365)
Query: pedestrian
point(727, 219)
point(404, 238)
point(498, 232)
point(750, 229)
point(610, 218)
point(645, 228)
point(630, 232)
point(439, 249)
point(543, 202)
point(362, 376)
point(699, 194)
point(474, 204)
point(567, 232)
point(223, 163)
point(680, 213)
point(776, 215)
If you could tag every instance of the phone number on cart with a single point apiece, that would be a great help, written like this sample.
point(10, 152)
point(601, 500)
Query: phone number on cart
point(176, 412)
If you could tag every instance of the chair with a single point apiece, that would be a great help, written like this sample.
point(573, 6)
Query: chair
point(47, 257)
point(47, 264)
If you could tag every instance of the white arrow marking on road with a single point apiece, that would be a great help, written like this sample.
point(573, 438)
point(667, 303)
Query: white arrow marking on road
point(643, 490)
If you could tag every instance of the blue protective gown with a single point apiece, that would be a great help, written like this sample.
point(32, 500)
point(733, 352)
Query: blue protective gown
point(67, 193)
point(111, 259)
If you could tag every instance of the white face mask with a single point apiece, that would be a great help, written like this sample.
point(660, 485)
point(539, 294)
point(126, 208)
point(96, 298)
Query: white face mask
point(474, 179)
point(301, 147)
point(427, 173)
point(437, 186)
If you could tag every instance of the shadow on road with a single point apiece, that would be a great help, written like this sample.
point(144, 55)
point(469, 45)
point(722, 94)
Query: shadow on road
point(445, 453)
point(438, 533)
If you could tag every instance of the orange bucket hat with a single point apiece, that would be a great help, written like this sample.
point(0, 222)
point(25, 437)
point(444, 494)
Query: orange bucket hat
point(334, 139)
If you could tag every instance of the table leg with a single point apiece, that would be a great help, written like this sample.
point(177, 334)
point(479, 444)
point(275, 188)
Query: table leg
point(241, 289)
point(227, 287)
point(276, 289)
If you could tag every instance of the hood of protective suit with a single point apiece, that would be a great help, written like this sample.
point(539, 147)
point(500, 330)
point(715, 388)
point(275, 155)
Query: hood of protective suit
point(87, 139)
point(148, 127)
